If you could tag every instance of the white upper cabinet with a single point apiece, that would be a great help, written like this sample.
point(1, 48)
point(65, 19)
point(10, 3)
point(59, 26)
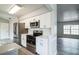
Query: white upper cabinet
point(33, 19)
point(45, 20)
point(27, 23)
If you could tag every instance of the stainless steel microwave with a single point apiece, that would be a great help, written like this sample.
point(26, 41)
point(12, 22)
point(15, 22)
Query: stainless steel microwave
point(35, 24)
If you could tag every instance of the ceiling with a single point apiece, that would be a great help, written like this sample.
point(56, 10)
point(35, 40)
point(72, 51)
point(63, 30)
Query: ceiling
point(28, 9)
point(67, 7)
point(66, 12)
point(4, 11)
point(25, 9)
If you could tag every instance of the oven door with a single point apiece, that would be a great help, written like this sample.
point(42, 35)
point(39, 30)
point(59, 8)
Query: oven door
point(31, 40)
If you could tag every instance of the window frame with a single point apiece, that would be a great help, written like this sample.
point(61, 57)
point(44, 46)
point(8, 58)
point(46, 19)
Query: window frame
point(73, 30)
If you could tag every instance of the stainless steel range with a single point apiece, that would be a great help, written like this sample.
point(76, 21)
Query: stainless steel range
point(31, 40)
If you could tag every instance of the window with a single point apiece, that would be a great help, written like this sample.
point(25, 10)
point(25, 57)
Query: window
point(75, 29)
point(71, 29)
point(66, 29)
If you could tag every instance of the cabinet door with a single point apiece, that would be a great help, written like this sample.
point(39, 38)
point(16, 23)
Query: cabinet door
point(42, 21)
point(37, 46)
point(45, 20)
point(33, 19)
point(22, 28)
point(27, 23)
point(41, 46)
point(23, 40)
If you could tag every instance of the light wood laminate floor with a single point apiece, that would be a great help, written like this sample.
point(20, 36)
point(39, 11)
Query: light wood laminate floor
point(14, 49)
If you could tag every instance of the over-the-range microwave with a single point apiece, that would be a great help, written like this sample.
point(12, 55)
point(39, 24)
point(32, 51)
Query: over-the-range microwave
point(35, 24)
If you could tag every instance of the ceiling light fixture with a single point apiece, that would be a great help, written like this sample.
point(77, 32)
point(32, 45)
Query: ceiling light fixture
point(14, 9)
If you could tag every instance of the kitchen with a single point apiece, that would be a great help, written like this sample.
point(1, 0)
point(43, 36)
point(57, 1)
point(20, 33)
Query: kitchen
point(33, 27)
point(38, 38)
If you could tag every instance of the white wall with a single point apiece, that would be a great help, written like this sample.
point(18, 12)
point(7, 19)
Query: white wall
point(4, 29)
point(53, 36)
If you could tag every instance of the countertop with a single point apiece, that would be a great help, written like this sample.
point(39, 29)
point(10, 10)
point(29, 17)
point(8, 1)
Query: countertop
point(43, 36)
